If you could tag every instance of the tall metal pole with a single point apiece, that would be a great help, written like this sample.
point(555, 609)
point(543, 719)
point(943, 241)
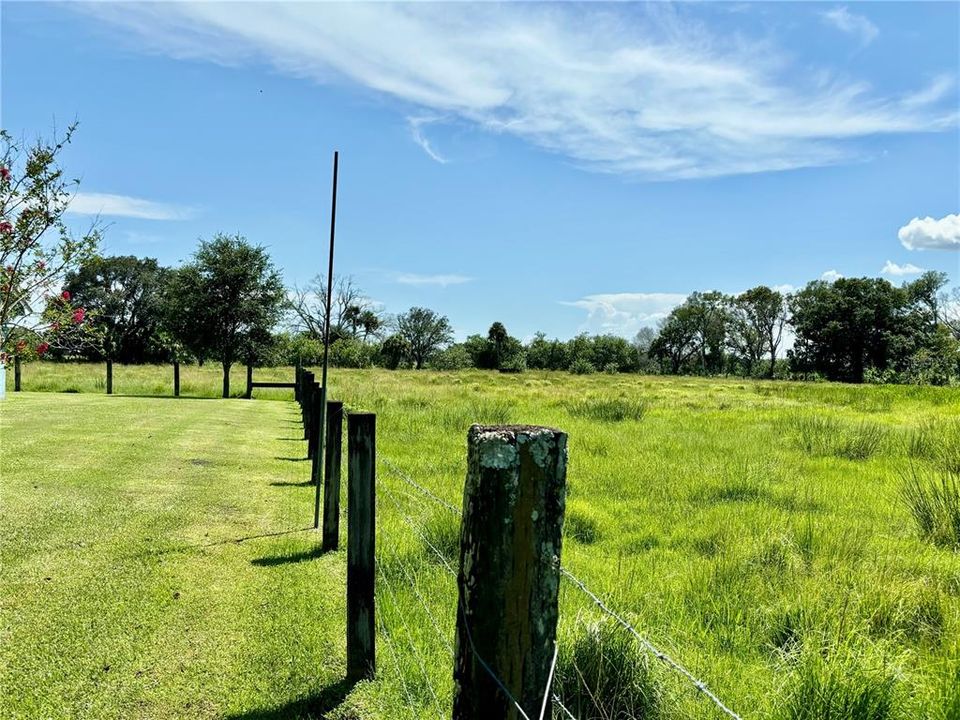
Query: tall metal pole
point(326, 352)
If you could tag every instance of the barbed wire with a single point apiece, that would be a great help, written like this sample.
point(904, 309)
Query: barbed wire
point(399, 473)
point(659, 654)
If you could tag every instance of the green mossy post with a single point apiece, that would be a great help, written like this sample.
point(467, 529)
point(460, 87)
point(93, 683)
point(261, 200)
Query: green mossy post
point(16, 373)
point(361, 523)
point(513, 506)
point(331, 476)
point(176, 379)
point(109, 376)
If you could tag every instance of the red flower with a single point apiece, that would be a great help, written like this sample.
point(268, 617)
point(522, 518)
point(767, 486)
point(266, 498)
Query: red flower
point(78, 315)
point(6, 227)
point(21, 345)
point(65, 295)
point(42, 348)
point(5, 173)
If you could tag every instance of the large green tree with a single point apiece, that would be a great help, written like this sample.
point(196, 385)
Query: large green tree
point(425, 332)
point(755, 326)
point(225, 301)
point(123, 293)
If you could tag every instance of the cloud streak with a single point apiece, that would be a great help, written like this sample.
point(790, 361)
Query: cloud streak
point(624, 313)
point(437, 280)
point(931, 234)
point(645, 91)
point(892, 268)
point(852, 24)
point(110, 205)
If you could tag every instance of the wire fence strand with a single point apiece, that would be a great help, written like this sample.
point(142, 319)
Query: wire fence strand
point(659, 654)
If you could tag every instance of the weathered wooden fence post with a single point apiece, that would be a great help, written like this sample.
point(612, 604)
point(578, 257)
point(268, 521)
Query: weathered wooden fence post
point(513, 505)
point(296, 383)
point(16, 373)
point(109, 376)
point(361, 524)
point(305, 396)
point(176, 378)
point(249, 393)
point(331, 476)
point(316, 397)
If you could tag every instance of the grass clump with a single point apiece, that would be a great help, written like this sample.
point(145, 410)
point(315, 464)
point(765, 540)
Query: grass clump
point(826, 435)
point(840, 686)
point(582, 526)
point(441, 534)
point(604, 676)
point(933, 499)
point(608, 409)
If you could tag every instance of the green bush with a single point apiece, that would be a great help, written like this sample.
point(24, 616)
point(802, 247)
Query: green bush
point(582, 367)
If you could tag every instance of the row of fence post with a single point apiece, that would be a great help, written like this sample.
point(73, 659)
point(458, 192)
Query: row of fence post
point(510, 539)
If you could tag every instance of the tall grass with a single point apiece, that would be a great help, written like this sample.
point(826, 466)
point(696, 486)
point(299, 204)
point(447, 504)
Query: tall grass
point(603, 676)
point(826, 435)
point(933, 499)
point(608, 409)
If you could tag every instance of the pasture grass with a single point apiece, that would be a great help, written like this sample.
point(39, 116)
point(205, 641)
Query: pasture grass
point(758, 532)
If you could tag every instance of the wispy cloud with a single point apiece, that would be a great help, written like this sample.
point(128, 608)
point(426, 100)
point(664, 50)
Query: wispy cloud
point(831, 276)
point(439, 280)
point(645, 91)
point(624, 313)
point(891, 268)
point(416, 123)
point(857, 25)
point(124, 206)
point(931, 234)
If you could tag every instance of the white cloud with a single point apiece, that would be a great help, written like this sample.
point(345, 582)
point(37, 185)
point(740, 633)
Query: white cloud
point(831, 276)
point(643, 90)
point(125, 206)
point(439, 280)
point(625, 313)
point(931, 234)
point(784, 289)
point(420, 139)
point(891, 268)
point(852, 24)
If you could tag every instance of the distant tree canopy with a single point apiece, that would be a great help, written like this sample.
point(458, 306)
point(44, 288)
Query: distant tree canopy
point(425, 332)
point(230, 297)
point(123, 296)
point(353, 315)
point(854, 325)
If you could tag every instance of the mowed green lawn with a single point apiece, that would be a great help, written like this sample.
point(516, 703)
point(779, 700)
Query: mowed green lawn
point(155, 562)
point(753, 530)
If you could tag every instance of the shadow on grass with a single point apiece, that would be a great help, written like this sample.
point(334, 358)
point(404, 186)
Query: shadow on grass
point(313, 707)
point(304, 556)
point(305, 483)
point(166, 397)
point(291, 459)
point(298, 439)
point(230, 541)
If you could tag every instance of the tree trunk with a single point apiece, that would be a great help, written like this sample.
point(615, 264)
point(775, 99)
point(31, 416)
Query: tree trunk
point(773, 362)
point(226, 379)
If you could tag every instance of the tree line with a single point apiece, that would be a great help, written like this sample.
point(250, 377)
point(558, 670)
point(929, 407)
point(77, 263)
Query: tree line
point(228, 304)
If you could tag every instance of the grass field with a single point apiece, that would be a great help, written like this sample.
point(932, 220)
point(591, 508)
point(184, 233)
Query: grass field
point(755, 531)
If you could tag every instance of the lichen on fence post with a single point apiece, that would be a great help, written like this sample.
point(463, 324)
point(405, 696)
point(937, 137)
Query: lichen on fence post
point(513, 507)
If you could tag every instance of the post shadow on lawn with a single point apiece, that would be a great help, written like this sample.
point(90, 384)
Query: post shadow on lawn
point(290, 558)
point(289, 459)
point(312, 707)
point(229, 541)
point(282, 483)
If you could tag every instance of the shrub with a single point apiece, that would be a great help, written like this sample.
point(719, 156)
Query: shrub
point(582, 367)
point(604, 676)
point(611, 368)
point(934, 501)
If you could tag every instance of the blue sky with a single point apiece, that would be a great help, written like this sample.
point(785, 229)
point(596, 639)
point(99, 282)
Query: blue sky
point(557, 167)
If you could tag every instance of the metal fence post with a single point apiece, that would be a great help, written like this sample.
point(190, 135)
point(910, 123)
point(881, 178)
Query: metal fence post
point(176, 378)
point(513, 506)
point(16, 373)
point(109, 376)
point(361, 524)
